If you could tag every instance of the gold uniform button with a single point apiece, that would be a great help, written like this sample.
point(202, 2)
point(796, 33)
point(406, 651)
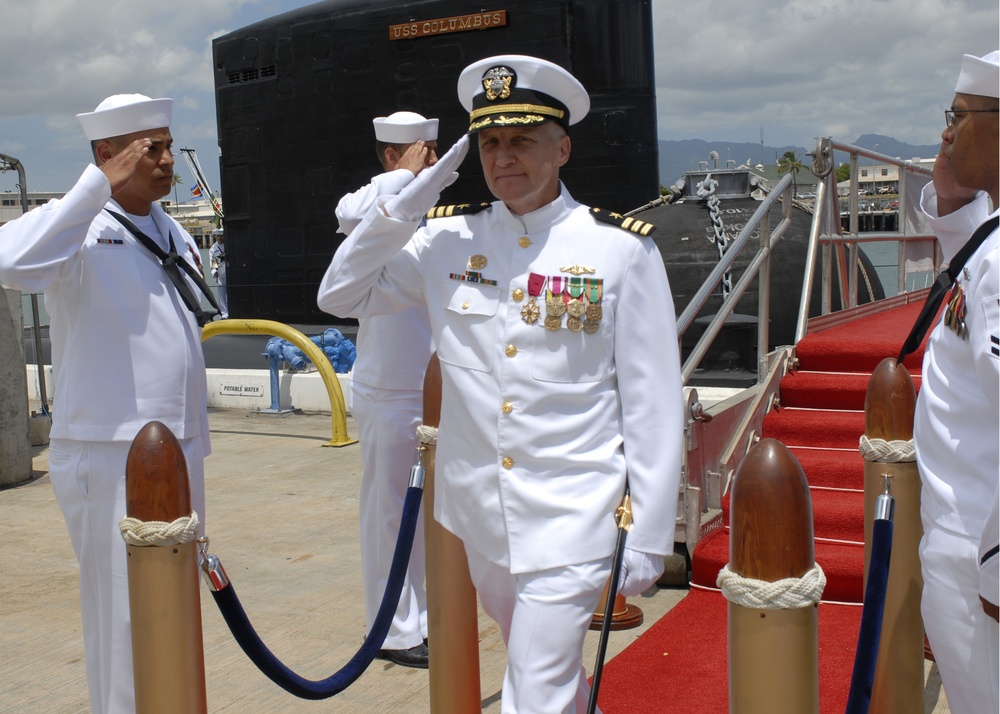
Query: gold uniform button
point(524, 241)
point(507, 407)
point(518, 295)
point(510, 350)
point(465, 305)
point(507, 462)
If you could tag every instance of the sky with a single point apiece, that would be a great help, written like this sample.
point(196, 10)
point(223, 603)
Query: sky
point(725, 70)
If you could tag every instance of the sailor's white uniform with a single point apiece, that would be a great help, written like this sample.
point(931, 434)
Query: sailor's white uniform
point(956, 440)
point(217, 258)
point(539, 427)
point(386, 401)
point(125, 351)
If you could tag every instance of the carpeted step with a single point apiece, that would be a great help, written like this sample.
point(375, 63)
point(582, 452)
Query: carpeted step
point(824, 390)
point(828, 390)
point(837, 514)
point(843, 563)
point(815, 427)
point(860, 345)
point(832, 468)
point(680, 664)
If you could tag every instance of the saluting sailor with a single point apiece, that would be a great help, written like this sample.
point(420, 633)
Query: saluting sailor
point(555, 329)
point(387, 401)
point(126, 350)
point(956, 421)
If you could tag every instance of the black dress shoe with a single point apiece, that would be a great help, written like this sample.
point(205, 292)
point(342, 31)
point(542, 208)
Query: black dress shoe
point(415, 657)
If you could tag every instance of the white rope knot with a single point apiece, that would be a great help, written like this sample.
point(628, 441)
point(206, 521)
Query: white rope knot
point(887, 452)
point(161, 533)
point(786, 594)
point(427, 434)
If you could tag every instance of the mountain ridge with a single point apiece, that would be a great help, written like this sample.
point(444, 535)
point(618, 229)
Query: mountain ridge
point(678, 156)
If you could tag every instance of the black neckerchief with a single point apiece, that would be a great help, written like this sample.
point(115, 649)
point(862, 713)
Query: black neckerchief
point(941, 285)
point(171, 262)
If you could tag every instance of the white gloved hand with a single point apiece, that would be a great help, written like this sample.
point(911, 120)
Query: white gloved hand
point(422, 193)
point(639, 570)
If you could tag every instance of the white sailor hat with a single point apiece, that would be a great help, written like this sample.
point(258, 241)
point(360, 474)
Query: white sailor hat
point(405, 128)
point(122, 114)
point(980, 75)
point(517, 90)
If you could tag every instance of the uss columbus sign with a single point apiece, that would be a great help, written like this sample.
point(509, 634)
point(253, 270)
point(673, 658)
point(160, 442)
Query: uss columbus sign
point(442, 26)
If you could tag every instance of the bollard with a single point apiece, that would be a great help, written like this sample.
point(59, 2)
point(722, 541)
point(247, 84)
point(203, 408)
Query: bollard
point(773, 653)
point(899, 671)
point(452, 613)
point(167, 651)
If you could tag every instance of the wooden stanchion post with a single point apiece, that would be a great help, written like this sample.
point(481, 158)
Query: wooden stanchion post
point(167, 651)
point(625, 617)
point(899, 671)
point(452, 613)
point(773, 653)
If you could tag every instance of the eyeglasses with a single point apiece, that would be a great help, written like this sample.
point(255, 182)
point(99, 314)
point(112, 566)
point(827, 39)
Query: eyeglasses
point(949, 114)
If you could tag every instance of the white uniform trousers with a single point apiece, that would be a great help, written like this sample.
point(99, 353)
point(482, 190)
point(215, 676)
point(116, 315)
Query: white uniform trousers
point(89, 483)
point(543, 617)
point(962, 636)
point(387, 431)
point(222, 295)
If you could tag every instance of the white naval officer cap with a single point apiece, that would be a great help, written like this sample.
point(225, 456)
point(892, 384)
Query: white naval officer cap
point(122, 114)
point(405, 128)
point(517, 90)
point(980, 75)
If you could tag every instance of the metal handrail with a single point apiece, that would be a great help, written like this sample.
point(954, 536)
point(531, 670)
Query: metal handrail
point(759, 263)
point(826, 229)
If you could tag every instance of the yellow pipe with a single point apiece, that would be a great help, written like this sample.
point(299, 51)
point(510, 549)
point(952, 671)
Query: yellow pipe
point(338, 408)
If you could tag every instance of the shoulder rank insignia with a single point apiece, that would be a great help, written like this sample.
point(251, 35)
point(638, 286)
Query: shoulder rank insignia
point(458, 209)
point(629, 224)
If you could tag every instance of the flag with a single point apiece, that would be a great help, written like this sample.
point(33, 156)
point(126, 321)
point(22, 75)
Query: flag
point(196, 192)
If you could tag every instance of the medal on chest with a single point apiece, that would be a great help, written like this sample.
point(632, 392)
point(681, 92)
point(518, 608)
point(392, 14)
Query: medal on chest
point(954, 314)
point(531, 312)
point(576, 298)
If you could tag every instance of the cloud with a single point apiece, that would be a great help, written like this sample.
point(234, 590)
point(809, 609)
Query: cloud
point(802, 69)
point(798, 68)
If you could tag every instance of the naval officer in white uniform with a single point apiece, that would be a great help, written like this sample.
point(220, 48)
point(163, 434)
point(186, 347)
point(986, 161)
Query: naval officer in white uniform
point(554, 325)
point(956, 422)
point(387, 401)
point(125, 351)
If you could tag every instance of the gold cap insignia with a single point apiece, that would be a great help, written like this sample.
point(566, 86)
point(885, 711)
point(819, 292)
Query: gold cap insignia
point(498, 81)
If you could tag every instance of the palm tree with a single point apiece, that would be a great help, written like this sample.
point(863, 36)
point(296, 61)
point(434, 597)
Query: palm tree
point(174, 180)
point(790, 162)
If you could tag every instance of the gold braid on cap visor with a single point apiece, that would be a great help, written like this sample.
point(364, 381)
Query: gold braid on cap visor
point(516, 108)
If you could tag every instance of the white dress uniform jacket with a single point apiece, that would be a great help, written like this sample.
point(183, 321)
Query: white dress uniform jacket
point(125, 349)
point(955, 435)
point(538, 428)
point(957, 417)
point(397, 368)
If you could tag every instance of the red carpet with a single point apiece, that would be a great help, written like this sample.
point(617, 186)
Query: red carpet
point(680, 664)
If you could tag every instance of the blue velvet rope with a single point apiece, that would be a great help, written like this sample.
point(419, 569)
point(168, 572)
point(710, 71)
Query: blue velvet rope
point(244, 633)
point(860, 695)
